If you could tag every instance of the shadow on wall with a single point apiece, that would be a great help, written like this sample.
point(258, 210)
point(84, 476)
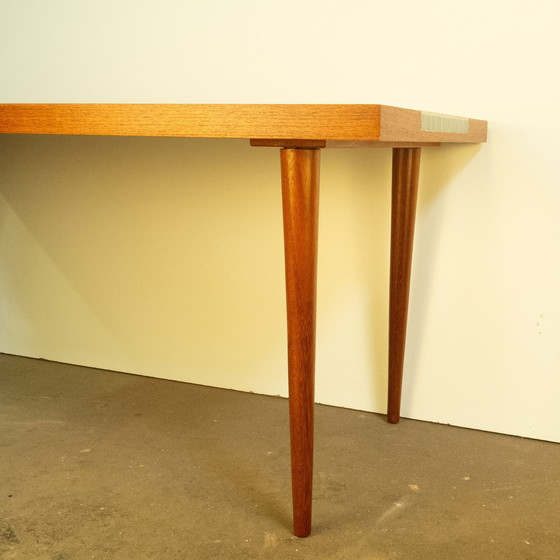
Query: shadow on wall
point(354, 235)
point(173, 248)
point(164, 256)
point(439, 167)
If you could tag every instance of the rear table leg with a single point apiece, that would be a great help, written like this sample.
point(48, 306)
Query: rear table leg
point(406, 166)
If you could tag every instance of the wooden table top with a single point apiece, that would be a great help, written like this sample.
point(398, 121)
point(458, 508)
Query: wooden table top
point(326, 125)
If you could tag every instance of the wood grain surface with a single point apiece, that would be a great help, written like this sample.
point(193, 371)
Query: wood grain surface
point(406, 168)
point(357, 124)
point(300, 202)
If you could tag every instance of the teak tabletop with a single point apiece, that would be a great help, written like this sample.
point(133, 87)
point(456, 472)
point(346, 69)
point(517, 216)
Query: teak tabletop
point(343, 123)
point(300, 130)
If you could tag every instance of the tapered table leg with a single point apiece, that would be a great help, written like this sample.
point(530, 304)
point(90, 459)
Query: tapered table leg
point(300, 191)
point(406, 165)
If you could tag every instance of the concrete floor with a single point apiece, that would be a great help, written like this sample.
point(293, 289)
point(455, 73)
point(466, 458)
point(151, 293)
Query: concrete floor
point(96, 464)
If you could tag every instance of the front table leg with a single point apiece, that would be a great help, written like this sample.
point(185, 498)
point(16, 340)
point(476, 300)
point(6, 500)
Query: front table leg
point(300, 200)
point(406, 165)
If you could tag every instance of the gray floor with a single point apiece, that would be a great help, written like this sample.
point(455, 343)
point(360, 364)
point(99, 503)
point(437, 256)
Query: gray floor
point(96, 464)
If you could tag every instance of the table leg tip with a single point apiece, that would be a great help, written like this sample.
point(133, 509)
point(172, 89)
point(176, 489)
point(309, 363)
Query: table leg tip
point(302, 534)
point(302, 530)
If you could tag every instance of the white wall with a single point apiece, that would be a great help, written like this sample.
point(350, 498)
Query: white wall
point(164, 256)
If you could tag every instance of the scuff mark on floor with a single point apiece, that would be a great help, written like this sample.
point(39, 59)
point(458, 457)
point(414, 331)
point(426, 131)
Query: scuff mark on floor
point(394, 509)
